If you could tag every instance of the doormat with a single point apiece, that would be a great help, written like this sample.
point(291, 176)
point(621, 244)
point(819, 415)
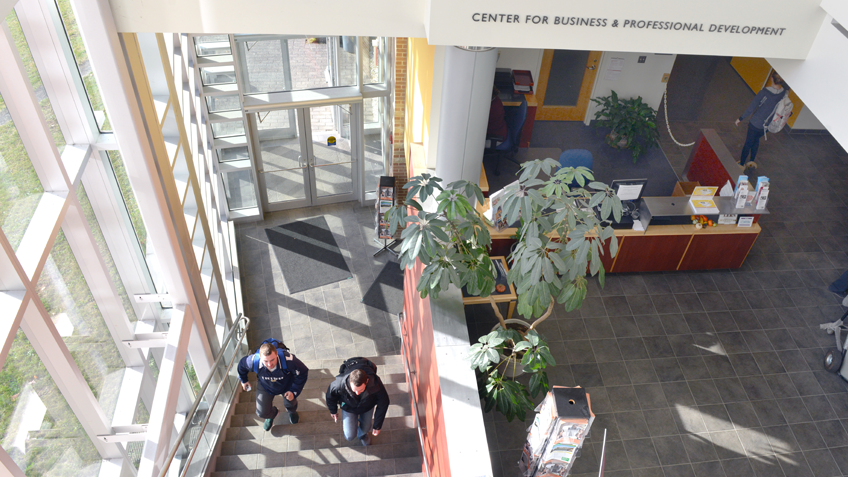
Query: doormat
point(308, 255)
point(386, 293)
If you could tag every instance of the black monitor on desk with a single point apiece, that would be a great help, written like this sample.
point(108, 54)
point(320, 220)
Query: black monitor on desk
point(629, 191)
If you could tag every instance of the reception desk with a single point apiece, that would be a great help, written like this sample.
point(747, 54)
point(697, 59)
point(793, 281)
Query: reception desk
point(663, 248)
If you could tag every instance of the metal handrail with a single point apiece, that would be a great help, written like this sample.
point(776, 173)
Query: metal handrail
point(200, 395)
point(412, 393)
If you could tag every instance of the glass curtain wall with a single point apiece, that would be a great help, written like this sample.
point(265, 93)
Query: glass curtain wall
point(75, 253)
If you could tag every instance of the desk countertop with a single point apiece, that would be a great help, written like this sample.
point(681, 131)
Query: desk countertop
point(531, 101)
point(653, 230)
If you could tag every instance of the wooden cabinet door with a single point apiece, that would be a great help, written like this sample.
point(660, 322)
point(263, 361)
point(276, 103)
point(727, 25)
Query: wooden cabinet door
point(717, 251)
point(650, 253)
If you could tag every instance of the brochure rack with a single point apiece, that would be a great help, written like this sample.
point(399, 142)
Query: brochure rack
point(554, 439)
point(385, 200)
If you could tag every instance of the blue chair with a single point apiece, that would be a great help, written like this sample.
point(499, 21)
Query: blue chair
point(515, 118)
point(575, 158)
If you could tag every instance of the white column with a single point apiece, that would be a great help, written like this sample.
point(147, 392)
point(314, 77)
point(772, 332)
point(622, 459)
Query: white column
point(468, 77)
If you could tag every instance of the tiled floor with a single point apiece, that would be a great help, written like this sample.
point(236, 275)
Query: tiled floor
point(692, 374)
point(716, 373)
point(327, 322)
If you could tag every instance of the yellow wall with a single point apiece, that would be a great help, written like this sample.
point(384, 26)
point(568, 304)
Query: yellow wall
point(755, 71)
point(419, 92)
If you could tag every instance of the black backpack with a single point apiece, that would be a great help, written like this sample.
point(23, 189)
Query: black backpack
point(352, 364)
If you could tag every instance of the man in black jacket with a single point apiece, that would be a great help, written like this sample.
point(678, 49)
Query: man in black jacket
point(358, 392)
point(277, 372)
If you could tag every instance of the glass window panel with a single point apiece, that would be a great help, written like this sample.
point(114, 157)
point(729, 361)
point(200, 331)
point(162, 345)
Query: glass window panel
point(278, 124)
point(154, 368)
point(191, 375)
point(333, 166)
point(265, 65)
point(142, 416)
point(128, 198)
point(227, 129)
point(373, 139)
point(217, 104)
point(212, 45)
point(291, 64)
point(104, 252)
point(35, 80)
point(217, 75)
point(345, 66)
point(233, 154)
point(373, 49)
point(20, 189)
point(66, 297)
point(240, 191)
point(39, 430)
point(84, 67)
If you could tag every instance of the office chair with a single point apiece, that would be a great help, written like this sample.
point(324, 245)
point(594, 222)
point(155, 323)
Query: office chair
point(515, 118)
point(576, 158)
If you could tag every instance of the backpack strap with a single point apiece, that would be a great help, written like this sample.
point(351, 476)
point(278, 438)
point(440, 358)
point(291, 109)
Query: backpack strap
point(280, 353)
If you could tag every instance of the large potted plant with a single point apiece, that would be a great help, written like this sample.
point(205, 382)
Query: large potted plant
point(632, 123)
point(561, 239)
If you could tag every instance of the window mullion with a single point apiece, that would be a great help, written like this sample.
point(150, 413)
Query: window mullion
point(120, 239)
point(45, 340)
point(167, 394)
point(8, 465)
point(26, 113)
point(11, 303)
point(12, 275)
point(102, 288)
point(54, 68)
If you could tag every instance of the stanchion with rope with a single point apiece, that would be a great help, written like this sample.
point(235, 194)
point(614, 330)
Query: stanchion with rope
point(667, 125)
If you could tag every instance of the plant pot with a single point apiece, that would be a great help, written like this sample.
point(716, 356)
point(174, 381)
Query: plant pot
point(522, 327)
point(616, 140)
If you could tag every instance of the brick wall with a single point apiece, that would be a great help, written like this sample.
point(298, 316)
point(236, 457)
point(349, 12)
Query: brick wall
point(399, 158)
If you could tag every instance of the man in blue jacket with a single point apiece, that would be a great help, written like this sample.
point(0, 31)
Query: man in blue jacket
point(760, 110)
point(277, 372)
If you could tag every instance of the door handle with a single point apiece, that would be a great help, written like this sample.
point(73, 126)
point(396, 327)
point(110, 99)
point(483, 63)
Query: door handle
point(590, 67)
point(299, 161)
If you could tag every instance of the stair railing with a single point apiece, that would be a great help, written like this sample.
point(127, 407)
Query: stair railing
point(406, 369)
point(240, 332)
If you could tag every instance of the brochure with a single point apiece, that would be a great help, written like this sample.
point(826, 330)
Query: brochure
point(700, 192)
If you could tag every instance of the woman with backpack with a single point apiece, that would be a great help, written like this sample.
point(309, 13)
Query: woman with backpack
point(761, 111)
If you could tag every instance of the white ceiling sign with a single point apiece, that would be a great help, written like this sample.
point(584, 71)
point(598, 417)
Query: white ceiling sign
point(757, 28)
point(777, 28)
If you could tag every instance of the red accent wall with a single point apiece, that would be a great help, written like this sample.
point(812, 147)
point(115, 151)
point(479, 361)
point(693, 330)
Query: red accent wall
point(420, 350)
point(705, 166)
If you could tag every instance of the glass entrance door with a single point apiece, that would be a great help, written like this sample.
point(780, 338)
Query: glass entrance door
point(306, 156)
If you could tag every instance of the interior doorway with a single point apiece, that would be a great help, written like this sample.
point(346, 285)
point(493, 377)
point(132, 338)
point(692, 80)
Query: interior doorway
point(306, 156)
point(566, 98)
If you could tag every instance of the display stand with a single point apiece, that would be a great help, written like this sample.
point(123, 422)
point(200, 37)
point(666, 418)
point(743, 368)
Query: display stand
point(385, 200)
point(556, 436)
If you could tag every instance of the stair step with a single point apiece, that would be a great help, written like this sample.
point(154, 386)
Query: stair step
point(316, 446)
point(255, 432)
point(328, 470)
point(318, 389)
point(246, 414)
point(368, 464)
point(278, 440)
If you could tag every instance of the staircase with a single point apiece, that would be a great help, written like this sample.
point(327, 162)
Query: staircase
point(315, 446)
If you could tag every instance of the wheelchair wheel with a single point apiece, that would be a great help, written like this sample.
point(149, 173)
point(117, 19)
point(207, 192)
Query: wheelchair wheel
point(833, 360)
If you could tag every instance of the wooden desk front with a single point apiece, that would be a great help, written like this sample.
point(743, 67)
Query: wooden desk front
point(663, 247)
